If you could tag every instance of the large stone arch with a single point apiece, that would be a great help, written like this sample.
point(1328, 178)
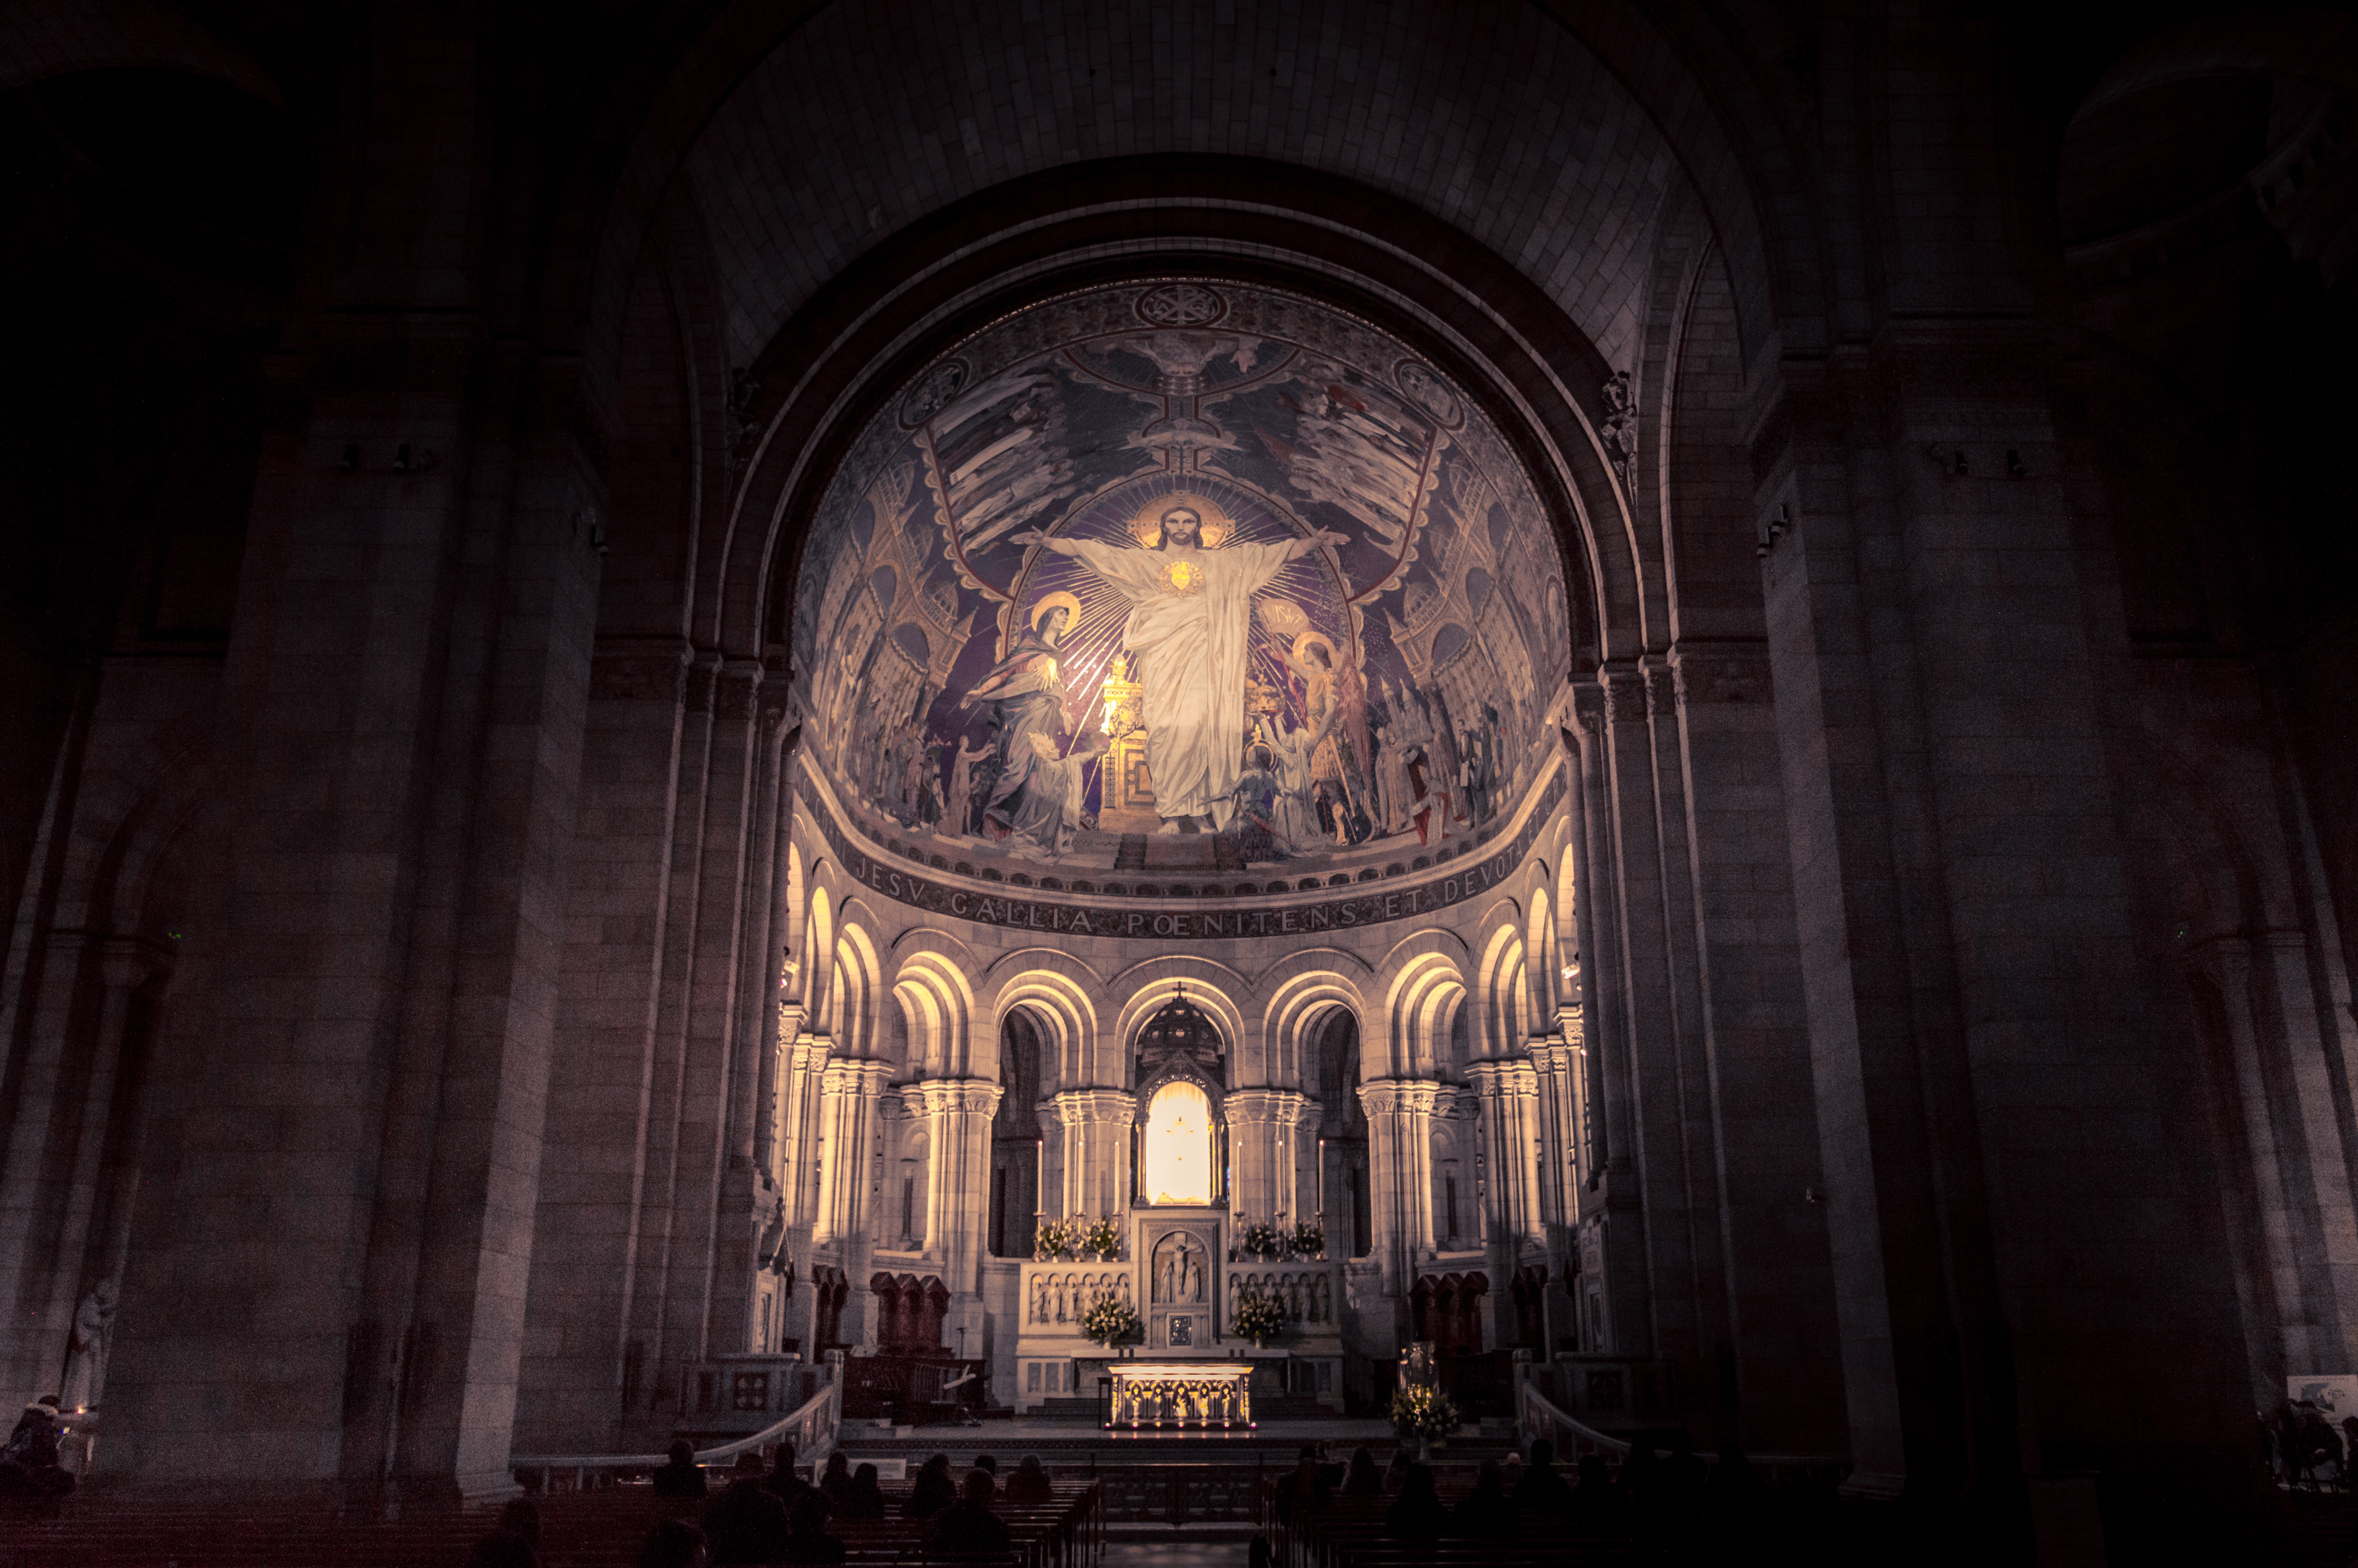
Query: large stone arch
point(1058, 990)
point(1301, 990)
point(1688, 77)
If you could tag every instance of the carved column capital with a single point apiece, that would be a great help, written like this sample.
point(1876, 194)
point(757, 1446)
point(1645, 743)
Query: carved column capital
point(1508, 1079)
point(1588, 707)
point(1572, 1023)
point(126, 962)
point(1273, 1106)
point(1662, 688)
point(2227, 960)
point(1414, 1094)
point(738, 689)
point(1732, 672)
point(639, 669)
point(1625, 694)
point(857, 1076)
point(944, 1096)
point(1087, 1108)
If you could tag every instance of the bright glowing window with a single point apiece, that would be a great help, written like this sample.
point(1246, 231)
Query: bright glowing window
point(1179, 1144)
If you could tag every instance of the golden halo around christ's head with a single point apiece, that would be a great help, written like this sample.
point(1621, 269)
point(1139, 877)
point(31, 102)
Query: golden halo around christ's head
point(1059, 601)
point(1212, 525)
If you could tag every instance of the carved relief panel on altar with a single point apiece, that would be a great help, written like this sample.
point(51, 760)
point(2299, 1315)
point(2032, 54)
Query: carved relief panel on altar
point(1180, 1289)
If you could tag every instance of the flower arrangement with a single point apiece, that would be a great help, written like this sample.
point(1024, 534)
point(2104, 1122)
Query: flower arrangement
point(1422, 1413)
point(1102, 1235)
point(1109, 1321)
point(1258, 1316)
point(1053, 1242)
point(1307, 1241)
point(1261, 1239)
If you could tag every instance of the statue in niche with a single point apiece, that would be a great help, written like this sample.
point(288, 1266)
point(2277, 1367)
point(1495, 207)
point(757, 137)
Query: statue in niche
point(94, 1326)
point(1060, 1298)
point(1039, 1301)
point(1191, 599)
point(1321, 1305)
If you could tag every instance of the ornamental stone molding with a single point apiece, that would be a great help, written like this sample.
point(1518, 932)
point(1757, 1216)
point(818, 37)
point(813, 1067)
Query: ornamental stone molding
point(1736, 674)
point(856, 1077)
point(1551, 1055)
point(1387, 1094)
point(1625, 695)
point(1661, 689)
point(1272, 1106)
point(1094, 1108)
point(1588, 708)
point(1572, 1023)
point(1504, 1080)
point(941, 1096)
point(635, 670)
point(738, 686)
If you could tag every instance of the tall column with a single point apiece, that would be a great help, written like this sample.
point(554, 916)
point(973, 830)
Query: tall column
point(1508, 1093)
point(57, 1164)
point(327, 1278)
point(2227, 963)
point(806, 1063)
point(1400, 1137)
point(1262, 1125)
point(957, 1113)
point(848, 1094)
point(1095, 1126)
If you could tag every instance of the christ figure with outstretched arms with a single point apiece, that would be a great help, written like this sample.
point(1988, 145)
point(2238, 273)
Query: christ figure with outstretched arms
point(1191, 609)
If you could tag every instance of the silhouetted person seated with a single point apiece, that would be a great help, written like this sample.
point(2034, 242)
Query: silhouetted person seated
point(1735, 1486)
point(1640, 1479)
point(864, 1498)
point(988, 1465)
point(782, 1482)
point(1594, 1500)
point(1542, 1488)
point(1418, 1510)
point(1364, 1479)
point(933, 1490)
point(1307, 1484)
point(835, 1481)
point(967, 1527)
point(681, 1476)
point(1684, 1473)
point(1029, 1482)
point(1396, 1473)
point(807, 1537)
point(28, 1464)
point(747, 1523)
point(674, 1543)
point(1487, 1510)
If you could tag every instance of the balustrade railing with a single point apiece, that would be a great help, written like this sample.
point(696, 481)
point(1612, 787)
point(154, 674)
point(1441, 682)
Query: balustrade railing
point(812, 1427)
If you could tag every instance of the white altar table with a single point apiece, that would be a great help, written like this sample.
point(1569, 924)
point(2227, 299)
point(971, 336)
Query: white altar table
point(1181, 1393)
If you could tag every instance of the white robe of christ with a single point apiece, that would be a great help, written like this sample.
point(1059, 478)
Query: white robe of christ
point(1189, 617)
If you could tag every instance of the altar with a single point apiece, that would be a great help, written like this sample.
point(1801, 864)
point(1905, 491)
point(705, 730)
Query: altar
point(1181, 1393)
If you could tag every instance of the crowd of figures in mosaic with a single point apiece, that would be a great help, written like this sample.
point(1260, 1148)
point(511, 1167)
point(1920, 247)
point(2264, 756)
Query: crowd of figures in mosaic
point(1182, 560)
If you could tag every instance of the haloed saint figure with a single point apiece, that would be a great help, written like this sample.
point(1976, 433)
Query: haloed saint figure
point(1191, 607)
point(1025, 694)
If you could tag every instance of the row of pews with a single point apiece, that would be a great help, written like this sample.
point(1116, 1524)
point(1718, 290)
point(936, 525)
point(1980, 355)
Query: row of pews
point(602, 1527)
point(1351, 1533)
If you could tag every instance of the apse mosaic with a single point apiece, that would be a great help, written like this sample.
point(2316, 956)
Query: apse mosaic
point(1181, 570)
